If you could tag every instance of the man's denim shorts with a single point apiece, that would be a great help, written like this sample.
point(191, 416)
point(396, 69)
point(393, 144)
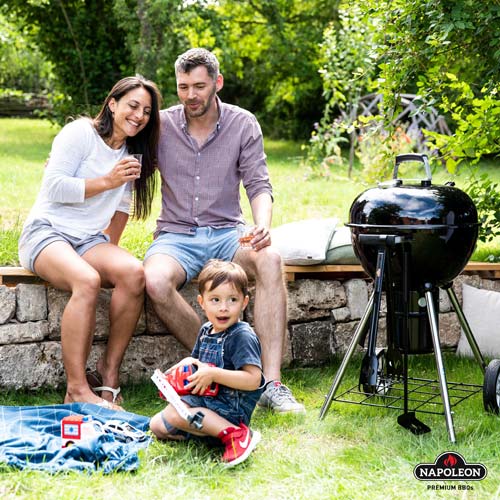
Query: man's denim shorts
point(192, 251)
point(39, 233)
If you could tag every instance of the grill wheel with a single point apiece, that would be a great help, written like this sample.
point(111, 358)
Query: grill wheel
point(491, 388)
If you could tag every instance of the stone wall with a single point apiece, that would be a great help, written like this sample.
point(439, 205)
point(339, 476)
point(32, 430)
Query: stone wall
point(322, 317)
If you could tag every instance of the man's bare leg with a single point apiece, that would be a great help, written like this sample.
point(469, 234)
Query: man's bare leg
point(266, 267)
point(270, 305)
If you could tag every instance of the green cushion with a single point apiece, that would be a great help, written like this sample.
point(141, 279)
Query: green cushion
point(340, 250)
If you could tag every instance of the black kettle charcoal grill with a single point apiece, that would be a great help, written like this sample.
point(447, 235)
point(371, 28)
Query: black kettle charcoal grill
point(412, 239)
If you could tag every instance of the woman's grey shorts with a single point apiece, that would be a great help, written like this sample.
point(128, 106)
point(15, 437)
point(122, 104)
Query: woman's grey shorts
point(39, 233)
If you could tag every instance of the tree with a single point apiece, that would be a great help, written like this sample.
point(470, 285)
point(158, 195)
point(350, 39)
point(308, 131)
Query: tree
point(273, 47)
point(435, 48)
point(22, 66)
point(446, 50)
point(156, 34)
point(268, 49)
point(348, 56)
point(83, 41)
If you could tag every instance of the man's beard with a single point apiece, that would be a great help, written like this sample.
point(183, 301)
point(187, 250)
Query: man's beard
point(204, 108)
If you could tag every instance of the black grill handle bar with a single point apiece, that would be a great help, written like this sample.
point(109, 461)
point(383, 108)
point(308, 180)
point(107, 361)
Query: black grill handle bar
point(381, 240)
point(413, 157)
point(410, 228)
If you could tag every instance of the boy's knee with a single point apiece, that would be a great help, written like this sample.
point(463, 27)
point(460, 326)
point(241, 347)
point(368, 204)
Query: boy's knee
point(164, 425)
point(157, 427)
point(161, 427)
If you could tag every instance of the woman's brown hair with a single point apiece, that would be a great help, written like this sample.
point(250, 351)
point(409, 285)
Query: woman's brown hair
point(145, 142)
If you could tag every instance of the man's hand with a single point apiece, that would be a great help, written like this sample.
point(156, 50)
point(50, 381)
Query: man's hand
point(261, 238)
point(262, 209)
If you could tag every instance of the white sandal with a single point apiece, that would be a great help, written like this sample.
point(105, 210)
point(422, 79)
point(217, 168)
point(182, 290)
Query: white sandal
point(109, 406)
point(102, 388)
point(94, 380)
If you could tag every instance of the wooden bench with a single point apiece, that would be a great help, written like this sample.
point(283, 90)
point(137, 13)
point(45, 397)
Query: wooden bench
point(484, 269)
point(11, 275)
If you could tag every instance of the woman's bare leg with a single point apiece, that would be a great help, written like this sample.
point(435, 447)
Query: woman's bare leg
point(60, 265)
point(120, 270)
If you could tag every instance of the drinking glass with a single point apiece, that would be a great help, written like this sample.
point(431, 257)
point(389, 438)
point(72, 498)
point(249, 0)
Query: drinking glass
point(138, 157)
point(245, 235)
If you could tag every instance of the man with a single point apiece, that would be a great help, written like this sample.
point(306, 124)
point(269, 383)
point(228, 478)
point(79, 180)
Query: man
point(206, 149)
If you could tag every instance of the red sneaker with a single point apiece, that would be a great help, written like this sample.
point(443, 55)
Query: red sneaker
point(239, 443)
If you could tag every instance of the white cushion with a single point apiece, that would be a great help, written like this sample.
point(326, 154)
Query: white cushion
point(482, 310)
point(304, 242)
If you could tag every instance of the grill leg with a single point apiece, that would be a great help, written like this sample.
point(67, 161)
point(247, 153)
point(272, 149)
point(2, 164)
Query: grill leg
point(432, 313)
point(465, 325)
point(360, 330)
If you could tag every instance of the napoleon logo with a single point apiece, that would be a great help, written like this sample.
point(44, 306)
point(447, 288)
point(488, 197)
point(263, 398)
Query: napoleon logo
point(450, 466)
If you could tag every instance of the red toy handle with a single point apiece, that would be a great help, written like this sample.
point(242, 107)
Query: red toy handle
point(178, 379)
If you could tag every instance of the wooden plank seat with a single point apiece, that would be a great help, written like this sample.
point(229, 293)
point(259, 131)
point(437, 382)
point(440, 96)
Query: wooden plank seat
point(337, 271)
point(11, 275)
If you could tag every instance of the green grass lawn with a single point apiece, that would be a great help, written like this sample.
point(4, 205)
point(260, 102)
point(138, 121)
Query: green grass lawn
point(355, 452)
point(25, 145)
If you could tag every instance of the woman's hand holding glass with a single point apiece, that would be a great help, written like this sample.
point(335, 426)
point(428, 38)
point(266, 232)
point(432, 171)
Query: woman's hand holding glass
point(126, 170)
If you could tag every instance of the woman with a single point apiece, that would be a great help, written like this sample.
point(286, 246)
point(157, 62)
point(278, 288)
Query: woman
point(71, 235)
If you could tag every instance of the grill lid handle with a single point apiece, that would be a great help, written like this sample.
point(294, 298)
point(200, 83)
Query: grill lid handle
point(413, 157)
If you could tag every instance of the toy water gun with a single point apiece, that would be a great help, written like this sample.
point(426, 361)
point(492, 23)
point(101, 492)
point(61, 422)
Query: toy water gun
point(168, 393)
point(178, 379)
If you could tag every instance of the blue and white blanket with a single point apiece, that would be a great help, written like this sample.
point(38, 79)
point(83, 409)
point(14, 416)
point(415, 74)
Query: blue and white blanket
point(30, 438)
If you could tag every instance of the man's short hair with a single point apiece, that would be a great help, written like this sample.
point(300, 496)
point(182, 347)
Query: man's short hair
point(216, 272)
point(193, 58)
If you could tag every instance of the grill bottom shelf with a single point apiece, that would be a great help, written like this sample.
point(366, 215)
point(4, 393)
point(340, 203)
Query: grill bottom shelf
point(424, 395)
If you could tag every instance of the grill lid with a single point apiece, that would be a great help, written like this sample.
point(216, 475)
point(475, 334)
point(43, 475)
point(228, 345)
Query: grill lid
point(440, 221)
point(398, 205)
